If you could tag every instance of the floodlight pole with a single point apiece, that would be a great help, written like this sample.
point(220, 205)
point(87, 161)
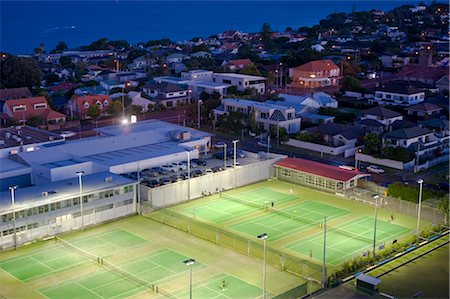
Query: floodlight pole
point(13, 190)
point(190, 263)
point(376, 196)
point(324, 268)
point(234, 161)
point(138, 196)
point(224, 156)
point(264, 238)
point(80, 183)
point(189, 173)
point(198, 107)
point(420, 181)
point(268, 144)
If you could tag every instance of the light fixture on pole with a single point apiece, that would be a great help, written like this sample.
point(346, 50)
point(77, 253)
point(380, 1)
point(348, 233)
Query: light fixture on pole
point(189, 173)
point(376, 197)
point(198, 107)
point(127, 84)
point(224, 156)
point(13, 190)
point(263, 237)
point(324, 267)
point(190, 263)
point(234, 160)
point(80, 183)
point(420, 182)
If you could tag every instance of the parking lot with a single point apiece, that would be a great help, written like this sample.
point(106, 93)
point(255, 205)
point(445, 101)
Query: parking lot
point(163, 174)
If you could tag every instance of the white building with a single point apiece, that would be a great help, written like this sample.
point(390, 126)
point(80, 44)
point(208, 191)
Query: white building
point(266, 115)
point(198, 75)
point(49, 209)
point(241, 81)
point(313, 101)
point(400, 95)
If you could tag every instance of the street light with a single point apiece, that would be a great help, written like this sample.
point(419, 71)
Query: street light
point(420, 181)
point(80, 183)
point(190, 263)
point(127, 84)
point(198, 107)
point(189, 173)
point(234, 161)
point(224, 156)
point(375, 196)
point(263, 237)
point(13, 189)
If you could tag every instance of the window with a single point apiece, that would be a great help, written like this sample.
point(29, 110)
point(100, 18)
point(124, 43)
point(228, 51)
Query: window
point(105, 103)
point(285, 172)
point(19, 108)
point(86, 105)
point(169, 104)
point(40, 106)
point(128, 189)
point(226, 81)
point(388, 96)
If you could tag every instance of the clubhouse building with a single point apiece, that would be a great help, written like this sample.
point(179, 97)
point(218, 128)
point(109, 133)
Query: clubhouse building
point(317, 175)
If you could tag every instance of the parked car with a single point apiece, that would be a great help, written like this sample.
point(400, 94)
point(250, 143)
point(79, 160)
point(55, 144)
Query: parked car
point(196, 173)
point(208, 171)
point(216, 168)
point(375, 169)
point(160, 170)
point(239, 154)
point(192, 164)
point(150, 172)
point(168, 168)
point(199, 162)
point(152, 183)
point(178, 166)
point(67, 134)
point(165, 181)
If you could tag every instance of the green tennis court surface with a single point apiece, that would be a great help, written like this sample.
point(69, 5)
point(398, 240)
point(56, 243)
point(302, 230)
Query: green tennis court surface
point(108, 243)
point(59, 257)
point(134, 277)
point(292, 219)
point(223, 286)
point(351, 239)
point(231, 205)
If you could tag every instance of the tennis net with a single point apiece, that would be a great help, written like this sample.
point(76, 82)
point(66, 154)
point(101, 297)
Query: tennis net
point(241, 201)
point(78, 250)
point(349, 234)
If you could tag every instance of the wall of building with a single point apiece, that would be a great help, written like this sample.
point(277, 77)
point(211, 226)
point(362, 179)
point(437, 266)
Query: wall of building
point(319, 147)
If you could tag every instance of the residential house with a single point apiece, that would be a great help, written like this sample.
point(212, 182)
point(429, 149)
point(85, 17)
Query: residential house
point(198, 75)
point(237, 64)
point(378, 119)
point(167, 94)
point(266, 115)
point(141, 62)
point(336, 135)
point(318, 73)
point(314, 101)
point(13, 93)
point(230, 34)
point(22, 109)
point(176, 57)
point(79, 105)
point(111, 84)
point(423, 111)
point(88, 90)
point(138, 100)
point(418, 140)
point(242, 82)
point(439, 126)
point(399, 95)
point(443, 83)
point(422, 73)
point(201, 54)
point(63, 87)
point(197, 87)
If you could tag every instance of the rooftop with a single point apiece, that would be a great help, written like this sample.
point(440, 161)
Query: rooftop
point(15, 136)
point(240, 76)
point(406, 133)
point(320, 169)
point(382, 112)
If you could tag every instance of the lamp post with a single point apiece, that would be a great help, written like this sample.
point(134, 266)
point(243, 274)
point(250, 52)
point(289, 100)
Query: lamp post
point(420, 181)
point(80, 183)
point(189, 173)
point(234, 160)
point(268, 145)
point(13, 190)
point(224, 156)
point(127, 84)
point(190, 263)
point(375, 196)
point(263, 237)
point(138, 195)
point(198, 107)
point(324, 267)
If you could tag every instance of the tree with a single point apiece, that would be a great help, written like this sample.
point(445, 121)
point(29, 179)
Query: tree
point(443, 206)
point(201, 47)
point(397, 153)
point(350, 83)
point(115, 109)
point(234, 121)
point(66, 62)
point(251, 69)
point(61, 46)
point(266, 32)
point(252, 120)
point(135, 53)
point(19, 72)
point(51, 78)
point(279, 132)
point(372, 142)
point(40, 49)
point(100, 44)
point(94, 111)
point(35, 121)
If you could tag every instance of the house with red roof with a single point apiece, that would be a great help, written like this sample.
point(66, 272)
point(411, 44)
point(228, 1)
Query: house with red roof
point(79, 105)
point(317, 73)
point(317, 175)
point(423, 111)
point(237, 64)
point(63, 87)
point(25, 108)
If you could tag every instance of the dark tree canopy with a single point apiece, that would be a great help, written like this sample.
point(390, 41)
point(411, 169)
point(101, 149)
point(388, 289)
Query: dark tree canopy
point(19, 72)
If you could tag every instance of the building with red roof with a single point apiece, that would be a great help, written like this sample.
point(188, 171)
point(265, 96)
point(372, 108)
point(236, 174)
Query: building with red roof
point(237, 64)
point(317, 175)
point(79, 105)
point(25, 108)
point(317, 73)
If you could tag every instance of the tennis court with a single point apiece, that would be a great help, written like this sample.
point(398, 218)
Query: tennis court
point(347, 240)
point(123, 280)
point(286, 221)
point(63, 256)
point(231, 205)
point(223, 286)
